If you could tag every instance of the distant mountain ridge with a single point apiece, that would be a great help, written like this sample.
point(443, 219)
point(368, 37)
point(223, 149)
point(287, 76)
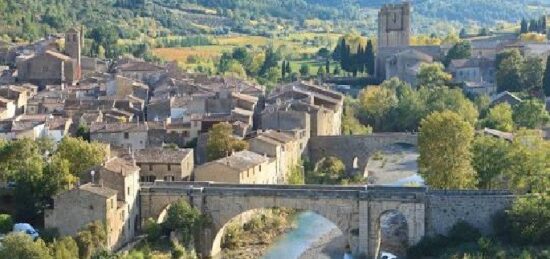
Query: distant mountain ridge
point(33, 18)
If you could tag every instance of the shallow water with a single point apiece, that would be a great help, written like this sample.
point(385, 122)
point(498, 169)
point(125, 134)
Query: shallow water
point(310, 226)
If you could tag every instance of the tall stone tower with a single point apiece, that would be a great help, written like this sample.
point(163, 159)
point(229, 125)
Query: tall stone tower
point(73, 48)
point(394, 25)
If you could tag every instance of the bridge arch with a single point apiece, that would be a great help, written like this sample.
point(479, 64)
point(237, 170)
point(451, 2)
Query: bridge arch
point(219, 232)
point(340, 212)
point(356, 150)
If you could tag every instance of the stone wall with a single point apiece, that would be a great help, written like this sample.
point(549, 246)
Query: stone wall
point(446, 208)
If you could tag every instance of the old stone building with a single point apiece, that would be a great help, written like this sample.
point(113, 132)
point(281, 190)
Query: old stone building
point(168, 164)
point(112, 198)
point(283, 147)
point(127, 135)
point(394, 25)
point(52, 67)
point(244, 167)
point(324, 107)
point(406, 64)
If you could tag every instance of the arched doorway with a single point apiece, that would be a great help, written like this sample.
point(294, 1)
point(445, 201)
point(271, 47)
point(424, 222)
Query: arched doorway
point(393, 234)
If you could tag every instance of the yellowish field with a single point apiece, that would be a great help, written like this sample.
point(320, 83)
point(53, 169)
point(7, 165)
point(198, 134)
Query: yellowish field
point(182, 54)
point(293, 42)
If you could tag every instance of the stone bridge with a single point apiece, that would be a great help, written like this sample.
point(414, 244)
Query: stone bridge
point(355, 210)
point(355, 150)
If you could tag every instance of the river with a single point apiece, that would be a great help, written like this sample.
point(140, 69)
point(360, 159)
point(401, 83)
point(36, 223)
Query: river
point(399, 169)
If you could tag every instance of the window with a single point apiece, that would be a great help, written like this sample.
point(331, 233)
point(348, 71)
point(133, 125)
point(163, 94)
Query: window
point(169, 167)
point(260, 168)
point(150, 167)
point(128, 190)
point(112, 204)
point(126, 135)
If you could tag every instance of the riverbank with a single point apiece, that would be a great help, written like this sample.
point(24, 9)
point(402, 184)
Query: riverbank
point(254, 238)
point(330, 245)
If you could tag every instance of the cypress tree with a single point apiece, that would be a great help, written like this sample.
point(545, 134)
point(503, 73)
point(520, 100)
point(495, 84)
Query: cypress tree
point(370, 58)
point(283, 69)
point(327, 66)
point(546, 80)
point(524, 26)
point(287, 68)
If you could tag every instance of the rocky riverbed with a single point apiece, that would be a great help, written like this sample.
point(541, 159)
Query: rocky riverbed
point(330, 245)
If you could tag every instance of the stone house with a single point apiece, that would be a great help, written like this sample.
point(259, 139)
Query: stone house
point(168, 164)
point(140, 71)
point(12, 129)
point(284, 148)
point(7, 108)
point(476, 74)
point(17, 93)
point(112, 198)
point(324, 106)
point(126, 135)
point(406, 64)
point(56, 128)
point(244, 167)
point(505, 97)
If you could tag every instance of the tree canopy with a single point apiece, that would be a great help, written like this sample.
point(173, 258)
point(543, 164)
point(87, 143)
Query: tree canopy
point(450, 137)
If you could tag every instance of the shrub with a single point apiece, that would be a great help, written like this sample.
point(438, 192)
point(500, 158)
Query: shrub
point(463, 232)
point(6, 223)
point(153, 230)
point(232, 235)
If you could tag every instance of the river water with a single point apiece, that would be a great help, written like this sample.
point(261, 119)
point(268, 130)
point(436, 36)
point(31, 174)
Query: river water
point(311, 226)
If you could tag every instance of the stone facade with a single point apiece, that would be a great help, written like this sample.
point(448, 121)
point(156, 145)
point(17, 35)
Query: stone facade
point(244, 167)
point(166, 164)
point(126, 135)
point(394, 25)
point(112, 198)
point(284, 148)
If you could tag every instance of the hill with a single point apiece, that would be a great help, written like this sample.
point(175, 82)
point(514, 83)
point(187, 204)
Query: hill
point(30, 19)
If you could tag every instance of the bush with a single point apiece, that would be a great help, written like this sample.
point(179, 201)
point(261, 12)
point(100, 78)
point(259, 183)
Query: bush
point(153, 230)
point(6, 223)
point(231, 237)
point(463, 232)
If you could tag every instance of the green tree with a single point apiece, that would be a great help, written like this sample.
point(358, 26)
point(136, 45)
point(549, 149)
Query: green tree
point(64, 248)
point(443, 98)
point(304, 70)
point(21, 246)
point(524, 25)
point(531, 114)
point(530, 219)
point(532, 73)
point(183, 218)
point(530, 162)
point(445, 142)
point(6, 223)
point(461, 50)
point(500, 118)
point(508, 75)
point(272, 59)
point(221, 142)
point(370, 58)
point(433, 75)
point(330, 171)
point(377, 101)
point(91, 239)
point(410, 109)
point(80, 154)
point(350, 124)
point(321, 71)
point(546, 78)
point(490, 160)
